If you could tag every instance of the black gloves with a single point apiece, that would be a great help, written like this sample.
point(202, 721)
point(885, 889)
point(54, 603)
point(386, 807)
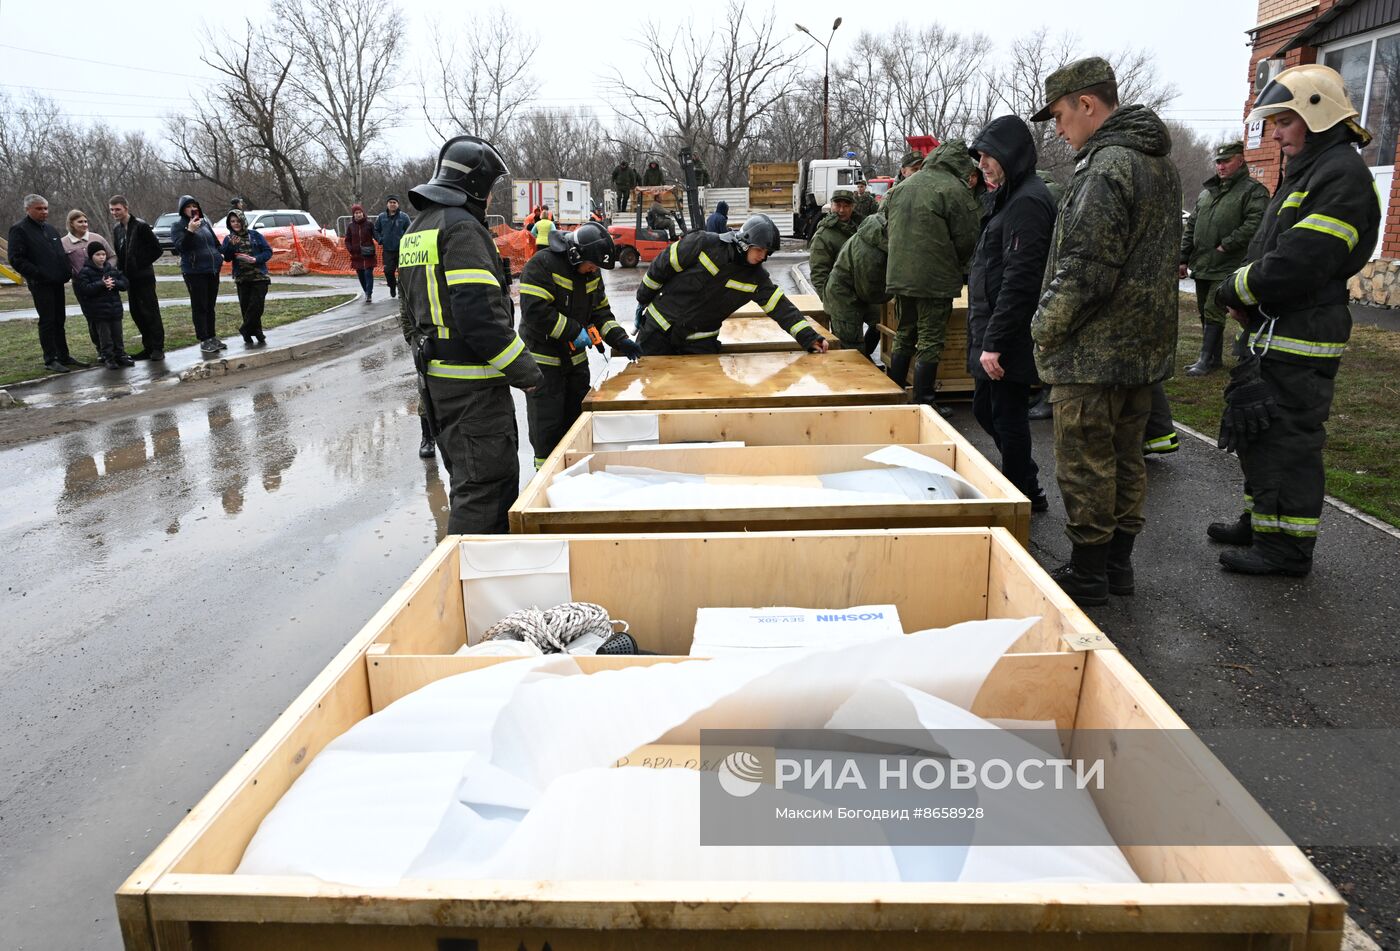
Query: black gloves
point(628, 348)
point(1249, 406)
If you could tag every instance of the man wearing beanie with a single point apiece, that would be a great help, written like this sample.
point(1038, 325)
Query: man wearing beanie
point(389, 229)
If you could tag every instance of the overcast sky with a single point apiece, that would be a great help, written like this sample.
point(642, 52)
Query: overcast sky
point(131, 62)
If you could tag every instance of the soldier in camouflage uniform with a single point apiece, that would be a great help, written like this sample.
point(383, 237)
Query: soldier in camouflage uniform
point(911, 163)
point(1105, 330)
point(855, 288)
point(866, 204)
point(624, 179)
point(835, 229)
point(934, 220)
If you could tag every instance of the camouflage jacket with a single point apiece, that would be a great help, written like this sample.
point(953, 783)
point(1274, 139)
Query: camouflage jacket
point(934, 221)
point(831, 234)
point(1227, 215)
point(866, 205)
point(1108, 303)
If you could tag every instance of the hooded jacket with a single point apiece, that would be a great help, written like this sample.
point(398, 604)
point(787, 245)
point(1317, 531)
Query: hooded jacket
point(718, 221)
point(1108, 305)
point(653, 175)
point(248, 242)
point(390, 229)
point(1319, 230)
point(624, 178)
point(98, 301)
point(358, 236)
point(1227, 215)
point(855, 289)
point(1009, 263)
point(199, 250)
point(933, 223)
point(826, 243)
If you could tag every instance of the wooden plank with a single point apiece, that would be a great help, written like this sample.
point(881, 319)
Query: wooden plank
point(756, 460)
point(763, 335)
point(840, 378)
point(1020, 686)
point(955, 380)
point(891, 425)
point(809, 304)
point(1018, 587)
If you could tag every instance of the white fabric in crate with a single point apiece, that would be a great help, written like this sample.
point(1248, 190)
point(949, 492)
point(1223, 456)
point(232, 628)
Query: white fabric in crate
point(468, 776)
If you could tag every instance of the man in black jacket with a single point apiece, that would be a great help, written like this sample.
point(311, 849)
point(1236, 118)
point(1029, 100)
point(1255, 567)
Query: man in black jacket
point(137, 252)
point(35, 252)
point(1003, 290)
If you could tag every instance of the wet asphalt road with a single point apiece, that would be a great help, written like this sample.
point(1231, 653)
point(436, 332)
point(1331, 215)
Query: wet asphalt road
point(176, 578)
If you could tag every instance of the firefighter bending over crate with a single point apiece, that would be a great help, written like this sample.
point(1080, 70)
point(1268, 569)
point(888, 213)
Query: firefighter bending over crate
point(563, 310)
point(702, 279)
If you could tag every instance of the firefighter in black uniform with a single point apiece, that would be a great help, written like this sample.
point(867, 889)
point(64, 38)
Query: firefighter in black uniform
point(453, 288)
point(1291, 293)
point(562, 305)
point(702, 279)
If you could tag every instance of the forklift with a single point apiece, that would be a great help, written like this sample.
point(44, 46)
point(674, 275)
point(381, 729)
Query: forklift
point(638, 244)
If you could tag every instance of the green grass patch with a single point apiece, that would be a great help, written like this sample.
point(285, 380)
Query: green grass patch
point(18, 298)
point(1363, 468)
point(19, 339)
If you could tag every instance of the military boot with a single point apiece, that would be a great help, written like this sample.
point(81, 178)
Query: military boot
point(1212, 340)
point(925, 384)
point(1233, 533)
point(427, 448)
point(1120, 563)
point(1085, 576)
point(897, 366)
point(1249, 561)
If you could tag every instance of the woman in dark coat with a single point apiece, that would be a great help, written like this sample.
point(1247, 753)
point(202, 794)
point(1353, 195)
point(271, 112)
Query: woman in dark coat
point(359, 243)
point(1003, 290)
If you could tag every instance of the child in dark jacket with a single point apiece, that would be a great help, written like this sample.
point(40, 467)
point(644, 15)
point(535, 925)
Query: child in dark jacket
point(249, 252)
point(99, 285)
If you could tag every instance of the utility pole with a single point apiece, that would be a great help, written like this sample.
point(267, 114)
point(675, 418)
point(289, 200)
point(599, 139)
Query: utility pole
point(826, 83)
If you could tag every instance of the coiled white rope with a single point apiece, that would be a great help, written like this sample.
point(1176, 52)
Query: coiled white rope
point(553, 629)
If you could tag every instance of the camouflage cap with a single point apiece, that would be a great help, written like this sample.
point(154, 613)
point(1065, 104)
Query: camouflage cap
point(1229, 150)
point(911, 158)
point(1078, 75)
point(844, 194)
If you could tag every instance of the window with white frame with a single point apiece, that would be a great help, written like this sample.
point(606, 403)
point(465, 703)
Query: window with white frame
point(1370, 67)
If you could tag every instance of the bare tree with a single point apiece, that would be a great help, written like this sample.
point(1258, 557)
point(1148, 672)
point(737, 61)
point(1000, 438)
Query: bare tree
point(482, 85)
point(348, 52)
point(268, 120)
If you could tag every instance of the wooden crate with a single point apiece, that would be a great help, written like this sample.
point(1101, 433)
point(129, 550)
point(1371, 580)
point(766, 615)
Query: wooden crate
point(953, 377)
point(788, 441)
point(764, 335)
point(839, 378)
point(184, 895)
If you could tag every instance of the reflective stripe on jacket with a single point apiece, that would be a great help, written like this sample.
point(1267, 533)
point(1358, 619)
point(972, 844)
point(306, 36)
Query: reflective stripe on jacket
point(556, 303)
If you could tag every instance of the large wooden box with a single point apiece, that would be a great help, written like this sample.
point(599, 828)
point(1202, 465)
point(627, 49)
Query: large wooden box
point(952, 369)
point(764, 335)
point(184, 895)
point(778, 441)
point(838, 378)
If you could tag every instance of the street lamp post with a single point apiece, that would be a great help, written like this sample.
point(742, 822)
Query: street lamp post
point(826, 81)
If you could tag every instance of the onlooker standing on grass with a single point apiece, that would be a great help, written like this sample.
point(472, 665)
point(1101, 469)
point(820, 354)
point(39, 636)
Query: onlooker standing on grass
point(137, 252)
point(36, 252)
point(75, 243)
point(200, 261)
point(389, 229)
point(249, 252)
point(99, 285)
point(359, 242)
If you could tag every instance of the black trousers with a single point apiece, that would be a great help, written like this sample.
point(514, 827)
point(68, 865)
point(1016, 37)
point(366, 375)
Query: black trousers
point(204, 293)
point(478, 440)
point(1284, 479)
point(144, 305)
point(391, 271)
point(1000, 407)
point(109, 338)
point(623, 195)
point(554, 406)
point(1160, 425)
point(252, 297)
point(656, 342)
point(51, 305)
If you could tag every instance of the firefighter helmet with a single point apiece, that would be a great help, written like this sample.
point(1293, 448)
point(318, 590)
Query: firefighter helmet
point(589, 242)
point(759, 232)
point(468, 168)
point(1313, 91)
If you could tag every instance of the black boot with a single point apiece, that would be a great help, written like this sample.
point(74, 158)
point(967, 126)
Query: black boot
point(870, 342)
point(1041, 408)
point(1249, 561)
point(897, 367)
point(1233, 533)
point(1212, 339)
point(925, 380)
point(1120, 563)
point(426, 449)
point(1085, 577)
